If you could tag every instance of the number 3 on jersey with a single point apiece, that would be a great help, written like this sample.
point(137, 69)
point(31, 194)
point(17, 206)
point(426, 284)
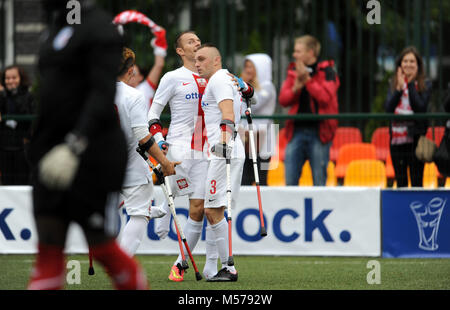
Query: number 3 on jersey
point(213, 187)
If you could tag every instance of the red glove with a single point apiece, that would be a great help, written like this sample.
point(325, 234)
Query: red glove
point(159, 43)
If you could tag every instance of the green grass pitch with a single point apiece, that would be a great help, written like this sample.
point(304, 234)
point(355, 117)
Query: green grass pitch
point(258, 273)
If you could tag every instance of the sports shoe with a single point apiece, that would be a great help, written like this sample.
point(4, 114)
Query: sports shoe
point(176, 273)
point(224, 275)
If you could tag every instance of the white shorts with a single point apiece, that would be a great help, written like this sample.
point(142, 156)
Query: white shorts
point(137, 199)
point(190, 175)
point(216, 182)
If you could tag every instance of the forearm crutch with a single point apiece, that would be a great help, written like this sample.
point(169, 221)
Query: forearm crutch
point(91, 270)
point(248, 115)
point(230, 243)
point(165, 185)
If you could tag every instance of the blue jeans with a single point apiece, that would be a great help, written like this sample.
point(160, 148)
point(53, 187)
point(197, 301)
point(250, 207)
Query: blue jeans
point(306, 144)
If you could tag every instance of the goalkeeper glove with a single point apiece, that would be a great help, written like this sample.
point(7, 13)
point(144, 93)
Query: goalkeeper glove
point(57, 169)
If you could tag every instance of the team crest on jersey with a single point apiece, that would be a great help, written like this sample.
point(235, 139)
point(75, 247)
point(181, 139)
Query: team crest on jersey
point(182, 183)
point(202, 82)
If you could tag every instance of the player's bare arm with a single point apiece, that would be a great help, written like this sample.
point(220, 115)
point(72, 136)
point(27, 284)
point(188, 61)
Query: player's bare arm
point(148, 144)
point(226, 107)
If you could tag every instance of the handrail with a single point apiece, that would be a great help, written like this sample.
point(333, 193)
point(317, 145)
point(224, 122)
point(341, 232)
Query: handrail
point(342, 116)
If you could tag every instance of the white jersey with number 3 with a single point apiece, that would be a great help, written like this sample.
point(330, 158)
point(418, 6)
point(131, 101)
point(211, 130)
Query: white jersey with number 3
point(221, 87)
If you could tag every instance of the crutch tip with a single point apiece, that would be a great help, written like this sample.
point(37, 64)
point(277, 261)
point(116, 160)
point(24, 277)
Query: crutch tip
point(91, 271)
point(230, 261)
point(263, 232)
point(198, 276)
point(184, 265)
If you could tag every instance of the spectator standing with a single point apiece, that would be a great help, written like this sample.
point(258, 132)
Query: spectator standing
point(409, 93)
point(310, 88)
point(15, 99)
point(258, 72)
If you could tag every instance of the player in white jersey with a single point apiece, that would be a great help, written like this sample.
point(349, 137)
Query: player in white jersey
point(137, 190)
point(183, 89)
point(221, 104)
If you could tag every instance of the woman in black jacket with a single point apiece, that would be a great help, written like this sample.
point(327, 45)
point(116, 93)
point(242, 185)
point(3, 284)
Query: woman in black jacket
point(409, 93)
point(15, 99)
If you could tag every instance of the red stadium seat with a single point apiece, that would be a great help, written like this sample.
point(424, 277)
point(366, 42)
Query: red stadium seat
point(380, 138)
point(350, 152)
point(344, 135)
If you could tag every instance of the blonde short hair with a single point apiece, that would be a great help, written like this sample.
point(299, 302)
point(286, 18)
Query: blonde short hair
point(310, 42)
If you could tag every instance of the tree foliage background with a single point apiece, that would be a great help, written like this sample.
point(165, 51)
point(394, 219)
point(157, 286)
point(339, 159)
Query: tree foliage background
point(363, 53)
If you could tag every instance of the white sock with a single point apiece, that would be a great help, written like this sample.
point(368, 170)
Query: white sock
point(220, 231)
point(210, 268)
point(230, 268)
point(133, 233)
point(192, 231)
point(163, 223)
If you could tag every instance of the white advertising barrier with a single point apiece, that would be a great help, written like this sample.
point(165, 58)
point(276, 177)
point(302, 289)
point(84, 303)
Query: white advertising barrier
point(300, 221)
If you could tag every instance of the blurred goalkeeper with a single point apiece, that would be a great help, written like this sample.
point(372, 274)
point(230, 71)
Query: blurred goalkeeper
point(78, 151)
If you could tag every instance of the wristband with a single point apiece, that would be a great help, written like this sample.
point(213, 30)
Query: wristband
point(154, 126)
point(227, 125)
point(248, 93)
point(163, 145)
point(147, 145)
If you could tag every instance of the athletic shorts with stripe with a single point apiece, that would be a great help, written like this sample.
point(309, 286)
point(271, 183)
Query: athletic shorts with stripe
point(137, 199)
point(216, 182)
point(190, 175)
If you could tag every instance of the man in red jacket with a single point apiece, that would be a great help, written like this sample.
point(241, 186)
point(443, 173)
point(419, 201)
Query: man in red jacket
point(310, 88)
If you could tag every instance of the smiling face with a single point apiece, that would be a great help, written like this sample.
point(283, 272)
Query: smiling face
point(189, 43)
point(12, 78)
point(409, 65)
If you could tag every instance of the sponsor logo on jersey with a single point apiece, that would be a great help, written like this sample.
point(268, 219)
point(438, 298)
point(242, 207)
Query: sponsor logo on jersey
point(193, 96)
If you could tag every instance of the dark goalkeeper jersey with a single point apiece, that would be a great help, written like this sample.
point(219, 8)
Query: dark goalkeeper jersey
point(78, 67)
